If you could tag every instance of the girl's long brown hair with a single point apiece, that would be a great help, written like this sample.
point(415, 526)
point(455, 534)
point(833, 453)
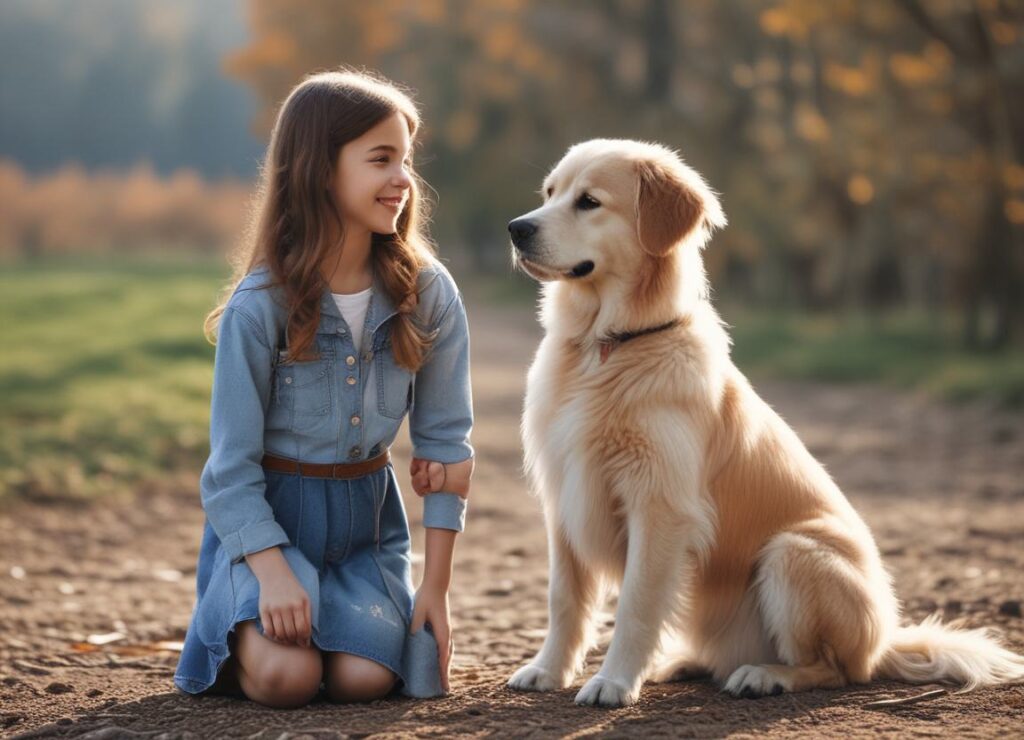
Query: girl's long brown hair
point(290, 224)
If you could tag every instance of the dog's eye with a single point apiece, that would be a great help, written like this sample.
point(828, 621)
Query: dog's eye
point(586, 203)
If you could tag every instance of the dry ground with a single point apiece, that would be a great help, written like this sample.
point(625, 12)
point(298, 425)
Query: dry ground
point(941, 486)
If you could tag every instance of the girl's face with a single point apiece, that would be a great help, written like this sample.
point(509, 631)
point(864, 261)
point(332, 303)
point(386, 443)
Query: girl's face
point(371, 177)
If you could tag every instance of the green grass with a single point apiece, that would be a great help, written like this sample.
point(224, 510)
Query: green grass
point(105, 376)
point(106, 373)
point(903, 350)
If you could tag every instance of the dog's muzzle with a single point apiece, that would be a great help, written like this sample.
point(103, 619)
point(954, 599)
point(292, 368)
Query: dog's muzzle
point(523, 231)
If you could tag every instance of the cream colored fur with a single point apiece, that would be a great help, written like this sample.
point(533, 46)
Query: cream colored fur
point(661, 471)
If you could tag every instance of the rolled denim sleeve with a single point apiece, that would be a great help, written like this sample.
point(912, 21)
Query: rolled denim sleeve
point(442, 412)
point(232, 485)
point(444, 511)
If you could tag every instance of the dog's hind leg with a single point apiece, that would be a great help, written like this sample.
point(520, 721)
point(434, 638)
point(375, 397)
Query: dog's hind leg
point(676, 659)
point(820, 612)
point(680, 668)
point(574, 591)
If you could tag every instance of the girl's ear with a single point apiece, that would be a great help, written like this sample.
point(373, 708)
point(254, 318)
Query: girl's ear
point(666, 209)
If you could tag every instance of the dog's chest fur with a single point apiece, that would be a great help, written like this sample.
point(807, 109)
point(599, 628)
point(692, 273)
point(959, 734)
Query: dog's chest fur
point(559, 430)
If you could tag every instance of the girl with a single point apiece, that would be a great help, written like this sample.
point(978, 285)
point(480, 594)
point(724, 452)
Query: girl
point(339, 322)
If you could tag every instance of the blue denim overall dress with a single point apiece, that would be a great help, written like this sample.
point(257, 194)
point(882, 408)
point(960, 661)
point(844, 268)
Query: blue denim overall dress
point(347, 541)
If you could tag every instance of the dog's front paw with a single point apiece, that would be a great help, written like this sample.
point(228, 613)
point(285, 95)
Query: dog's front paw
point(603, 692)
point(534, 678)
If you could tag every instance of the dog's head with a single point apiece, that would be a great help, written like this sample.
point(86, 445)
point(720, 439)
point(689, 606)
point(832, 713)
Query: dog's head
point(610, 206)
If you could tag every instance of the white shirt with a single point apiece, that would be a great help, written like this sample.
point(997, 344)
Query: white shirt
point(353, 308)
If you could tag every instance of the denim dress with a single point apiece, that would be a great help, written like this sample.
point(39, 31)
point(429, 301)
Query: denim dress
point(347, 541)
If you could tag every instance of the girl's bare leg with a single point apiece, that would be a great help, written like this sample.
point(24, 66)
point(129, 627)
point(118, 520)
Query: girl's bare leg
point(276, 675)
point(353, 678)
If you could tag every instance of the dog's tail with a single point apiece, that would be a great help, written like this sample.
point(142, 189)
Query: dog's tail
point(932, 651)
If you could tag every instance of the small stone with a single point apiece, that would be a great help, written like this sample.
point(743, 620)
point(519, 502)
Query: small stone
point(107, 733)
point(990, 492)
point(1003, 434)
point(60, 688)
point(1010, 608)
point(94, 692)
point(65, 721)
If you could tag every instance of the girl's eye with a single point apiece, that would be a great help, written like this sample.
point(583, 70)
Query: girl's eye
point(384, 160)
point(587, 203)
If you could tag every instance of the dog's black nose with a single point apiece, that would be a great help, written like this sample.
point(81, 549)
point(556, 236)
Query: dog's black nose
point(522, 230)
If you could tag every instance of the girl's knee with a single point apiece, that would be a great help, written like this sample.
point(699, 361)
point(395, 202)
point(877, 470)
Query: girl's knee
point(351, 678)
point(284, 682)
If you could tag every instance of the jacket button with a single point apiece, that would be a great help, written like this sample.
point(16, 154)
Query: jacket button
point(350, 380)
point(355, 421)
point(355, 452)
point(288, 379)
point(350, 360)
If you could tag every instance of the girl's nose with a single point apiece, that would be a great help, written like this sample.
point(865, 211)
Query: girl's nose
point(402, 179)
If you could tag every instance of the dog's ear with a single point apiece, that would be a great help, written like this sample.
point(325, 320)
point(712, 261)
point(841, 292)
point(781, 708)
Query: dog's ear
point(666, 209)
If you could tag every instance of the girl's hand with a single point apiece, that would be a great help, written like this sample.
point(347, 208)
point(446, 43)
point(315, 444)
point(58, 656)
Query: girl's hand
point(432, 606)
point(429, 476)
point(284, 604)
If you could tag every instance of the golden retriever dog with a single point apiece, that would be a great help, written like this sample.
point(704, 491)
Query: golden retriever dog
point(660, 470)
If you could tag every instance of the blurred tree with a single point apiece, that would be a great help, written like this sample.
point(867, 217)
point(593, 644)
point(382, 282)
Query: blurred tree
point(869, 153)
point(924, 129)
point(110, 83)
point(989, 103)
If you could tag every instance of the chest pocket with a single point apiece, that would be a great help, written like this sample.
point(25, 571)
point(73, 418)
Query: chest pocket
point(302, 390)
point(394, 383)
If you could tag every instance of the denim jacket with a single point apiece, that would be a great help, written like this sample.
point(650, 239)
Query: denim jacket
point(343, 407)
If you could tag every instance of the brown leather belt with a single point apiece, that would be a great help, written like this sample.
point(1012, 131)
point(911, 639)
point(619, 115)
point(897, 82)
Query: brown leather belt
point(326, 470)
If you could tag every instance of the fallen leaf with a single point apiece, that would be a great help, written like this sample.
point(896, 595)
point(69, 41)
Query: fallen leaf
point(105, 638)
point(146, 648)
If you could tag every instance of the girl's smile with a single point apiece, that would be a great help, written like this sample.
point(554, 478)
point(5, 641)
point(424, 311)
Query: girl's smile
point(397, 203)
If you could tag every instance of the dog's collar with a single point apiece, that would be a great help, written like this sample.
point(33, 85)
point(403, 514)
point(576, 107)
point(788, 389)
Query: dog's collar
point(612, 341)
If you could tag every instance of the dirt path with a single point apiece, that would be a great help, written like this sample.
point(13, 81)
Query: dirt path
point(941, 486)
